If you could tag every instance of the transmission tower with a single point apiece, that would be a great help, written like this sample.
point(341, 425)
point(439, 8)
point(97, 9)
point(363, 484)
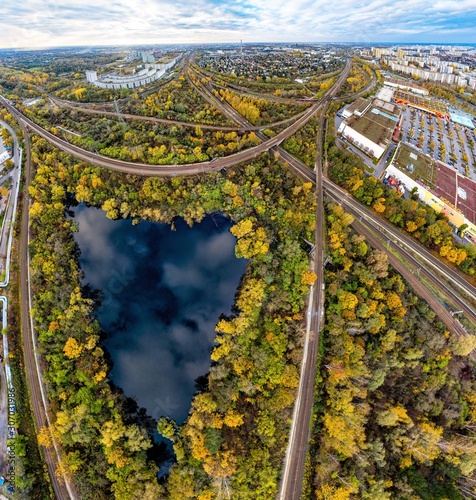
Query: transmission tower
point(19, 85)
point(118, 112)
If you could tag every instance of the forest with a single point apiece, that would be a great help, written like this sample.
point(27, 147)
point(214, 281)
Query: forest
point(235, 436)
point(13, 81)
point(176, 100)
point(303, 144)
point(137, 141)
point(360, 76)
point(81, 91)
point(16, 82)
point(396, 404)
point(260, 111)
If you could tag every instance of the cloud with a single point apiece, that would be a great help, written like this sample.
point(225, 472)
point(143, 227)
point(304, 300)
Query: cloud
point(99, 258)
point(35, 23)
point(160, 313)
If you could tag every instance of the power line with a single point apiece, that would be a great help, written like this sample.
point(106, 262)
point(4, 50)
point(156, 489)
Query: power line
point(121, 119)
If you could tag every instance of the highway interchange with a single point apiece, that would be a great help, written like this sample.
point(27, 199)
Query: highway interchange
point(377, 232)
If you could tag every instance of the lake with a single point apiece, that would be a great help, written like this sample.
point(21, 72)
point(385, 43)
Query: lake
point(164, 292)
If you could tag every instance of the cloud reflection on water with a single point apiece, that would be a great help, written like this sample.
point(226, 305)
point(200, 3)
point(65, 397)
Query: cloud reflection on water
point(164, 292)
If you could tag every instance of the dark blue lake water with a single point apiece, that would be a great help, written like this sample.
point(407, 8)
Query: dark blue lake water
point(164, 292)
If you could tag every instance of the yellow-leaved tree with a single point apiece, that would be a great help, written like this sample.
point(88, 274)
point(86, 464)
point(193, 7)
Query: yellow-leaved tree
point(72, 348)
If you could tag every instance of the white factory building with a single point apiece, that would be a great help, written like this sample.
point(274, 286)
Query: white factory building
point(365, 144)
point(358, 108)
point(369, 125)
point(150, 73)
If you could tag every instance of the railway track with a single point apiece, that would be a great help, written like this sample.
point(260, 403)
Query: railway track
point(63, 489)
point(374, 234)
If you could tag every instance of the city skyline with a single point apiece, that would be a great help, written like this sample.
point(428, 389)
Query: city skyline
point(37, 24)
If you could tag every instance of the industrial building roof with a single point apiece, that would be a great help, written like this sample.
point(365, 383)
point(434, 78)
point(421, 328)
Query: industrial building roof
point(359, 105)
point(457, 189)
point(431, 105)
point(387, 106)
point(465, 120)
point(385, 94)
point(404, 84)
point(415, 164)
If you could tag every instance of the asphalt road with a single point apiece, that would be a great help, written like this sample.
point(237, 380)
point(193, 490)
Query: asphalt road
point(301, 440)
point(3, 413)
point(9, 209)
point(170, 170)
point(3, 253)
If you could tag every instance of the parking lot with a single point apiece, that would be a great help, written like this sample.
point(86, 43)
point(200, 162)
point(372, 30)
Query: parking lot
point(448, 142)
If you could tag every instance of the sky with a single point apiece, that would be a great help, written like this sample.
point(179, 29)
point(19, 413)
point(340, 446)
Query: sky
point(48, 23)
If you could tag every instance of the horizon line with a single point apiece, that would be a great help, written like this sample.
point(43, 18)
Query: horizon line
point(50, 47)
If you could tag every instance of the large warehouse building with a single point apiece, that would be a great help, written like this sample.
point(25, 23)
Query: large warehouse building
point(358, 107)
point(370, 125)
point(405, 85)
point(429, 105)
